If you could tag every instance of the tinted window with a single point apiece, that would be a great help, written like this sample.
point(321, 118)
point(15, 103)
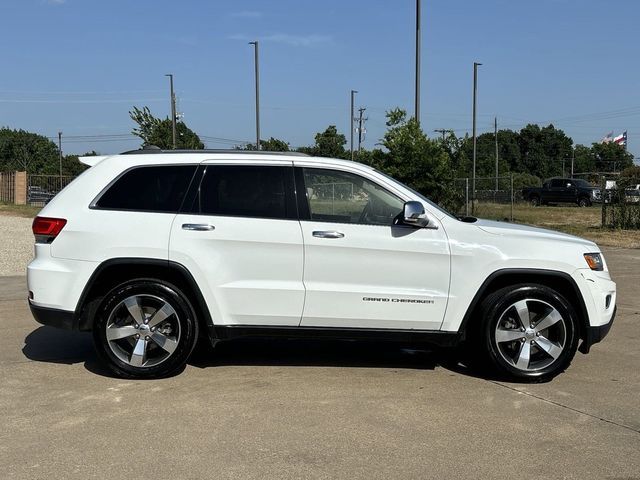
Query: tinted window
point(247, 191)
point(557, 183)
point(343, 197)
point(156, 189)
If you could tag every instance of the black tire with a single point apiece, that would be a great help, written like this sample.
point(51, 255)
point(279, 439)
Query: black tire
point(178, 332)
point(499, 307)
point(584, 202)
point(534, 201)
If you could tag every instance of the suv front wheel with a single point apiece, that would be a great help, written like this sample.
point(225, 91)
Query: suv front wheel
point(145, 328)
point(528, 332)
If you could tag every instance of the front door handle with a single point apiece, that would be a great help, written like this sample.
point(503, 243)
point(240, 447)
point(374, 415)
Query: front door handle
point(198, 227)
point(328, 234)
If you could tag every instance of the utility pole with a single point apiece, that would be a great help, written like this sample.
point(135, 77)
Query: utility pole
point(173, 109)
point(495, 130)
point(442, 131)
point(360, 129)
point(475, 94)
point(60, 155)
point(353, 93)
point(573, 159)
point(418, 41)
point(257, 69)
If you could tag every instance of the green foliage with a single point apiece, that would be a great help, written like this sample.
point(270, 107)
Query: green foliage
point(486, 155)
point(631, 174)
point(271, 145)
point(417, 161)
point(522, 180)
point(72, 166)
point(620, 214)
point(584, 160)
point(611, 157)
point(329, 143)
point(26, 151)
point(543, 149)
point(159, 132)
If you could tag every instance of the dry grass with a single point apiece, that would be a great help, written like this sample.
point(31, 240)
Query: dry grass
point(26, 211)
point(582, 222)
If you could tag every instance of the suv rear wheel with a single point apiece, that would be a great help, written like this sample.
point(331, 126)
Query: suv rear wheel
point(528, 332)
point(145, 328)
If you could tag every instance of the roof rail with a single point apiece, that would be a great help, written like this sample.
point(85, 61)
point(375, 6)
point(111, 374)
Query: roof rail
point(147, 150)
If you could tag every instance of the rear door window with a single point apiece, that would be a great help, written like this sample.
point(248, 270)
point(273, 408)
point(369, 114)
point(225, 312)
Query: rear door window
point(247, 191)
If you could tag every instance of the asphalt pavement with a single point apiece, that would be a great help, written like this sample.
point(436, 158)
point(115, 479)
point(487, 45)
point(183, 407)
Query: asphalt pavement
point(305, 409)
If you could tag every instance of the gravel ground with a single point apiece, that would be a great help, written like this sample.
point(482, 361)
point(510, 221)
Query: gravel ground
point(16, 245)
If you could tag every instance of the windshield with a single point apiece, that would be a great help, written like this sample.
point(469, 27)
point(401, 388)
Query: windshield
point(419, 195)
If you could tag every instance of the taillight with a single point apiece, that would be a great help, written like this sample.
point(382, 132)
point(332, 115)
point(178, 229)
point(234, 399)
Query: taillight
point(47, 229)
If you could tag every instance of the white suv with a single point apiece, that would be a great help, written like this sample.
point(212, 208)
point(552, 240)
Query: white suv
point(151, 249)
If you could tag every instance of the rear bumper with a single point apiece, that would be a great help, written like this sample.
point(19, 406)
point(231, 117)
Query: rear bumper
point(596, 334)
point(53, 317)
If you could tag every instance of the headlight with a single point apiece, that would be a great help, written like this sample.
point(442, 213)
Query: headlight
point(594, 260)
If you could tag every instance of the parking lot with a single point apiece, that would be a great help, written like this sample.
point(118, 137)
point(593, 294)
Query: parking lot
point(294, 409)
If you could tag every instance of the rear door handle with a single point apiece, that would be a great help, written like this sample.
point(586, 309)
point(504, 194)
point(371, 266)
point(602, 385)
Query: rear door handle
point(328, 234)
point(198, 227)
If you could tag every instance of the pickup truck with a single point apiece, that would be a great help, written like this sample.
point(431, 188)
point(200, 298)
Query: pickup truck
point(562, 190)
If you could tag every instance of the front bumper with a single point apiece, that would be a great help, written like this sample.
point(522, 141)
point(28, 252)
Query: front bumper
point(596, 334)
point(53, 317)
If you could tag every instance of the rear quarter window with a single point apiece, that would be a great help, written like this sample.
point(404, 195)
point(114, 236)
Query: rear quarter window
point(149, 189)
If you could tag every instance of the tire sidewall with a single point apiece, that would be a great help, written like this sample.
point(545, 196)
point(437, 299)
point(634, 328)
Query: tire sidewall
point(170, 294)
point(507, 297)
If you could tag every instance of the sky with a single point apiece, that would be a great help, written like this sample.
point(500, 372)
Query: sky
point(79, 66)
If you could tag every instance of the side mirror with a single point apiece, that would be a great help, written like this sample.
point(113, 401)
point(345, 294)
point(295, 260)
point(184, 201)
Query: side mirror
point(413, 214)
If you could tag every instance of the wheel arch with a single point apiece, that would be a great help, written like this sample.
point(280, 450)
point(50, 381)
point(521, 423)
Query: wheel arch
point(559, 281)
point(115, 271)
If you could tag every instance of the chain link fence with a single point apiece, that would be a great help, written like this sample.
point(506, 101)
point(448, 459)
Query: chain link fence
point(494, 197)
point(621, 202)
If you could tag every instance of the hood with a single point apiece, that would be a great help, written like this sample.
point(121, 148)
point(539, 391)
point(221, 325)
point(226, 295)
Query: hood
point(516, 230)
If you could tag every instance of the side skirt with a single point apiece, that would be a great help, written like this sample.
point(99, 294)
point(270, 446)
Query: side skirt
point(430, 337)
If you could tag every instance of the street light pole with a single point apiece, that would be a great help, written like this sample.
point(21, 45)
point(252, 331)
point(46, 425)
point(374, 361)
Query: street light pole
point(60, 156)
point(418, 42)
point(353, 94)
point(257, 69)
point(475, 94)
point(173, 109)
point(495, 132)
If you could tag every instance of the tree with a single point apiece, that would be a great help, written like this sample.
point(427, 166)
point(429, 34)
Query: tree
point(329, 143)
point(159, 132)
point(611, 157)
point(415, 160)
point(543, 149)
point(271, 145)
point(30, 152)
point(584, 160)
point(72, 166)
point(486, 155)
point(632, 174)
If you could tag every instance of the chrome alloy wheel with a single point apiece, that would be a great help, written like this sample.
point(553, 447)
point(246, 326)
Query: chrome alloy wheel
point(143, 330)
point(530, 335)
